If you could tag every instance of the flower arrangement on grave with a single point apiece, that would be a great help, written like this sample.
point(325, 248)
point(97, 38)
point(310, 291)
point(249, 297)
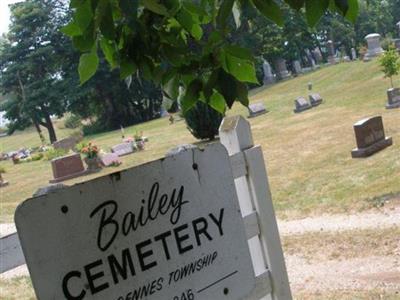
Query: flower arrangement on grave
point(138, 136)
point(90, 151)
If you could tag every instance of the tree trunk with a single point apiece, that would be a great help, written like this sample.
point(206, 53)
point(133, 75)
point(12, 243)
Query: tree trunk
point(50, 128)
point(39, 130)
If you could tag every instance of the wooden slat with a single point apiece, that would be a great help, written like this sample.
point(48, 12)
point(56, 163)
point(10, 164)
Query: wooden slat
point(11, 255)
point(269, 234)
point(238, 164)
point(262, 287)
point(251, 225)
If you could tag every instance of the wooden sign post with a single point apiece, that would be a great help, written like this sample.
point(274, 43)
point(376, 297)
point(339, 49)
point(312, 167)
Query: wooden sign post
point(257, 210)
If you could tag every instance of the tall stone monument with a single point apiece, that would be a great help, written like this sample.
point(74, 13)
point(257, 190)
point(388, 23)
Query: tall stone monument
point(397, 41)
point(353, 54)
point(297, 67)
point(281, 69)
point(374, 46)
point(269, 77)
point(318, 55)
point(331, 52)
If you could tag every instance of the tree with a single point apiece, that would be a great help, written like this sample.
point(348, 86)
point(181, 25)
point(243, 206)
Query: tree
point(390, 63)
point(180, 42)
point(29, 73)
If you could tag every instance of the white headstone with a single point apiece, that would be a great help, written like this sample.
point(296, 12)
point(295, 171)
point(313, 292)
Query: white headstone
point(353, 54)
point(256, 109)
point(169, 229)
point(374, 46)
point(297, 67)
point(269, 77)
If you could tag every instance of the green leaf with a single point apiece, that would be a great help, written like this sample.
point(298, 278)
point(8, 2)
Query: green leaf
point(217, 102)
point(107, 27)
point(71, 29)
point(296, 4)
point(127, 68)
point(189, 22)
point(83, 43)
point(225, 10)
point(171, 88)
point(88, 64)
point(342, 5)
point(315, 10)
point(270, 9)
point(236, 61)
point(84, 14)
point(242, 93)
point(352, 12)
point(192, 95)
point(109, 51)
point(156, 7)
point(226, 84)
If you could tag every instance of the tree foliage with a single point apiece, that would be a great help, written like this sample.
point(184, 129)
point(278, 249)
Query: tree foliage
point(180, 42)
point(29, 68)
point(390, 63)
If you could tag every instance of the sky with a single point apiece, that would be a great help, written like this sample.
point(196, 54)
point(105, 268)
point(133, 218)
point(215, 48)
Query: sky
point(5, 14)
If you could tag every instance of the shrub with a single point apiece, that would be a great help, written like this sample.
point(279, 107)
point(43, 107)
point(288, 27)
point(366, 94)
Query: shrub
point(93, 128)
point(37, 156)
point(80, 146)
point(390, 63)
point(72, 121)
point(54, 153)
point(203, 121)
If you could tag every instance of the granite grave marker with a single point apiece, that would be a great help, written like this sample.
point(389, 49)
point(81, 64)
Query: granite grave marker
point(370, 137)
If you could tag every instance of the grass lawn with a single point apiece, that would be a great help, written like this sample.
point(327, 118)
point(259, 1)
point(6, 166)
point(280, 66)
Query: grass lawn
point(307, 155)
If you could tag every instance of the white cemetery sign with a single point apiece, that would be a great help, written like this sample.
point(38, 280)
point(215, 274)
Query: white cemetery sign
point(170, 229)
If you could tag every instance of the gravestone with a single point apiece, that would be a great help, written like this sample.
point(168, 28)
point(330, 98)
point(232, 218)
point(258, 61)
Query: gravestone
point(297, 67)
point(318, 55)
point(331, 52)
point(122, 149)
point(393, 98)
point(370, 137)
point(315, 99)
point(281, 69)
point(398, 27)
point(353, 54)
point(67, 167)
point(65, 144)
point(168, 229)
point(256, 109)
point(374, 46)
point(108, 159)
point(269, 77)
point(301, 105)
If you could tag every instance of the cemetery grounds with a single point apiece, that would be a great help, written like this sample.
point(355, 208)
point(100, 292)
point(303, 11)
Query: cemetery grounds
point(339, 217)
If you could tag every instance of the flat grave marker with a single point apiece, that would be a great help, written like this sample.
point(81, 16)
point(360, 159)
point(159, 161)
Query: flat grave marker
point(122, 149)
point(108, 159)
point(256, 109)
point(301, 105)
point(169, 229)
point(67, 167)
point(315, 99)
point(370, 137)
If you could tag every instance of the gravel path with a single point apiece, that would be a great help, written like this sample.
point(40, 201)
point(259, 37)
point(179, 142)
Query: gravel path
point(384, 218)
point(366, 273)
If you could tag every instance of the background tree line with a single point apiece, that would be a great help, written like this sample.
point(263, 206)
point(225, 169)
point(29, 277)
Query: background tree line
point(38, 63)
